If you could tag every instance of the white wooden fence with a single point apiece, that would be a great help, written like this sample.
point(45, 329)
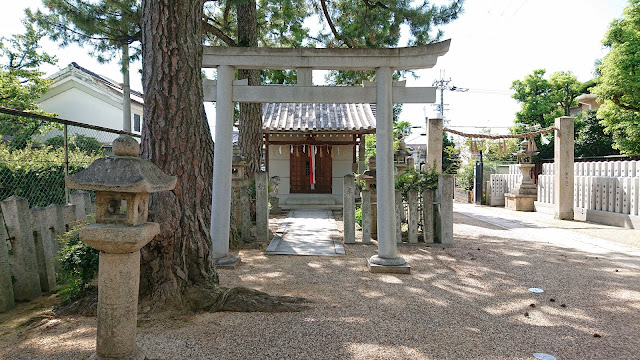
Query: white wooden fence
point(604, 186)
point(604, 192)
point(501, 184)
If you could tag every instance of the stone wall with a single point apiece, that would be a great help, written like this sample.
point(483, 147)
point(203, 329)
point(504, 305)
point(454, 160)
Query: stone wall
point(29, 245)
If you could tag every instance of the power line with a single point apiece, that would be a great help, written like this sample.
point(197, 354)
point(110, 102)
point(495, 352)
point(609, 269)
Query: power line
point(443, 84)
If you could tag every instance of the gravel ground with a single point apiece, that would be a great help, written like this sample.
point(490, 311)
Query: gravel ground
point(466, 302)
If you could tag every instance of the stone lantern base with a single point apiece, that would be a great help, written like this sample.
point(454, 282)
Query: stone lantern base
point(520, 202)
point(138, 355)
point(523, 195)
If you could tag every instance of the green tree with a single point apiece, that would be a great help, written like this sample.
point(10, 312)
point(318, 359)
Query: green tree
point(450, 155)
point(618, 85)
point(591, 139)
point(543, 101)
point(566, 88)
point(538, 98)
point(21, 83)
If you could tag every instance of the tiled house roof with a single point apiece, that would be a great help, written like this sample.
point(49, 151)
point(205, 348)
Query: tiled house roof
point(353, 118)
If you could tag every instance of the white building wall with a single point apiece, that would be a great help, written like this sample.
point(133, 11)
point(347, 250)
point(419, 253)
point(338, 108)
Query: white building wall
point(74, 101)
point(279, 166)
point(341, 166)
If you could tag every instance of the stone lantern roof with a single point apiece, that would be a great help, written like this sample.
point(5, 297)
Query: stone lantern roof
point(369, 174)
point(402, 149)
point(123, 172)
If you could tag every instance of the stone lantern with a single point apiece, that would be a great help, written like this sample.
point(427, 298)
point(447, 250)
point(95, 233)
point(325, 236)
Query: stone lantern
point(401, 156)
point(523, 195)
point(122, 184)
point(369, 177)
point(237, 169)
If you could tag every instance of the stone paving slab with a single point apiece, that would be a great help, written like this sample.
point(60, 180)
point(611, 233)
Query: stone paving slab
point(307, 232)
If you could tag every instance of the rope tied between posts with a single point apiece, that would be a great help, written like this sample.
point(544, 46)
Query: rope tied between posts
point(531, 134)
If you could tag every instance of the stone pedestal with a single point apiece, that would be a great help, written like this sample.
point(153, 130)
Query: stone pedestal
point(523, 195)
point(519, 202)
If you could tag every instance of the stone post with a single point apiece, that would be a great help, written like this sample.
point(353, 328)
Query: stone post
point(399, 212)
point(387, 259)
point(434, 144)
point(349, 210)
point(24, 264)
point(262, 206)
point(413, 216)
point(366, 217)
point(445, 231)
point(45, 249)
point(82, 201)
point(222, 169)
point(55, 221)
point(6, 288)
point(427, 216)
point(122, 184)
point(245, 214)
point(563, 169)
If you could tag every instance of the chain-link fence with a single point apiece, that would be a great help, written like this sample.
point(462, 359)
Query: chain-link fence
point(36, 152)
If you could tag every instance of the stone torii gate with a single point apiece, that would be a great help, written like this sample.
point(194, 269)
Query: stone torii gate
point(225, 91)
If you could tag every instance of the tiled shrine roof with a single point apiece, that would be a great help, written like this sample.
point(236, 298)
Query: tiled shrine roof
point(289, 117)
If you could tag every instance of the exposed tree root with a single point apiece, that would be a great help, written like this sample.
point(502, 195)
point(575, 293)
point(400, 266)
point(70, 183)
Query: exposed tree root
point(209, 298)
point(240, 299)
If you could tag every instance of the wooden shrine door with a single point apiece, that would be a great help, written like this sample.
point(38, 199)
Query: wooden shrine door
point(300, 169)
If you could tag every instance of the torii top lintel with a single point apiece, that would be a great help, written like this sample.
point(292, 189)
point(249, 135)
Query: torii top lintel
point(408, 58)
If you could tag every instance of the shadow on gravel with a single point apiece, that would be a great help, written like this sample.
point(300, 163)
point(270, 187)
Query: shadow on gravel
point(466, 302)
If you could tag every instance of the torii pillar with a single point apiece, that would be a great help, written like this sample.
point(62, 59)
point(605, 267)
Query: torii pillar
point(387, 259)
point(222, 164)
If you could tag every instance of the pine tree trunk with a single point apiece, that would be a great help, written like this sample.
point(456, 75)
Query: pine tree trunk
point(176, 267)
point(176, 137)
point(250, 119)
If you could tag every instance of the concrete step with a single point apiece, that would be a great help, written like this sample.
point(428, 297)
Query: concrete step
point(308, 199)
point(311, 207)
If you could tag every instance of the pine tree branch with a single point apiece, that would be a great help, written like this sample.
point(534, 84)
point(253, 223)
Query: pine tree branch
point(373, 5)
point(331, 25)
point(80, 34)
point(208, 27)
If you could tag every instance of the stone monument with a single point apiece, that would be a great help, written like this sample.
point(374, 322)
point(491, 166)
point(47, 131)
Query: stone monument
point(523, 195)
point(122, 184)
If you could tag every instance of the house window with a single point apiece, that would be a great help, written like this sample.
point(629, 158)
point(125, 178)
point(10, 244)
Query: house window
point(136, 122)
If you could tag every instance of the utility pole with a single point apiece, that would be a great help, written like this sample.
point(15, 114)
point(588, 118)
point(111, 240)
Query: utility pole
point(442, 85)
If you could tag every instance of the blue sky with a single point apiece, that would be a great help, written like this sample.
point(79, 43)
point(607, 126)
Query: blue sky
point(493, 43)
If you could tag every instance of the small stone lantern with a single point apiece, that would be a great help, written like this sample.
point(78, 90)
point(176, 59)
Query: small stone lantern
point(369, 177)
point(401, 157)
point(237, 169)
point(523, 195)
point(122, 184)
